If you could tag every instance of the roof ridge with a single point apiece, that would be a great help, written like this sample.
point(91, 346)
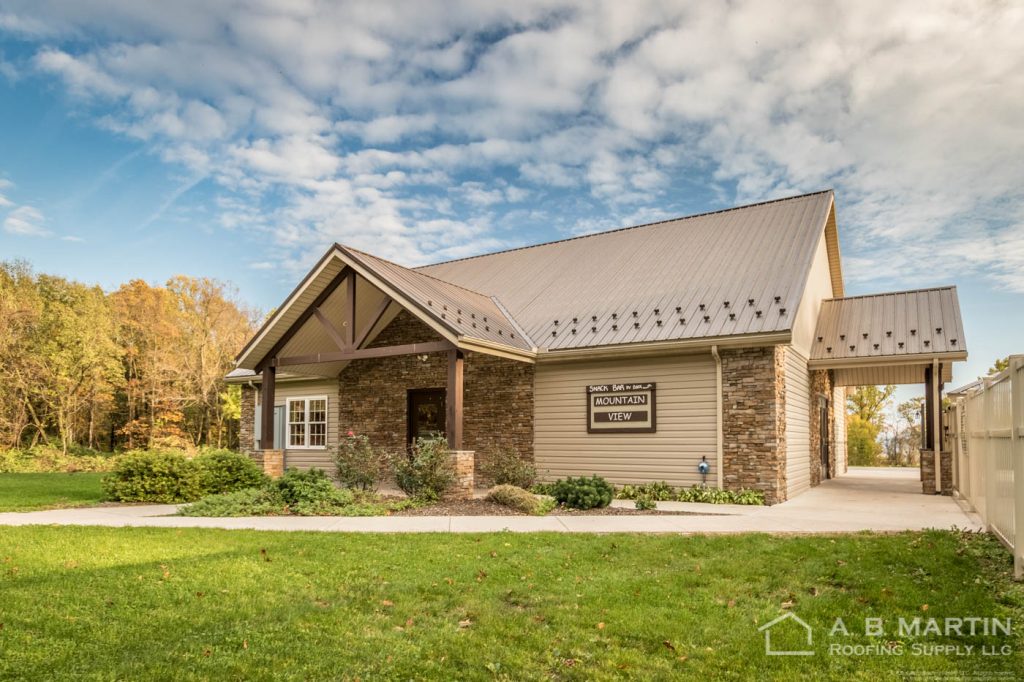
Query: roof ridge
point(892, 293)
point(421, 274)
point(621, 229)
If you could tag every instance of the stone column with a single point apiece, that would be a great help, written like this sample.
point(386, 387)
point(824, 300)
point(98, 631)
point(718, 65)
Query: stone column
point(273, 463)
point(465, 481)
point(928, 472)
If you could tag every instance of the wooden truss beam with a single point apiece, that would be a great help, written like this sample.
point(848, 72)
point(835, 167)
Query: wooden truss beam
point(365, 353)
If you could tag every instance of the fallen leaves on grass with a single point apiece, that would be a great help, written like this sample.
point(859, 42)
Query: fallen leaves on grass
point(465, 623)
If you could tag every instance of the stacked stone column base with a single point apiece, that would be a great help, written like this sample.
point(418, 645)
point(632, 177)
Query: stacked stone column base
point(273, 463)
point(465, 479)
point(928, 472)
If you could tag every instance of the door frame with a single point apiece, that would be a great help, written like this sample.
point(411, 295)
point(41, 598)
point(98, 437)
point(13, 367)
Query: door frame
point(409, 395)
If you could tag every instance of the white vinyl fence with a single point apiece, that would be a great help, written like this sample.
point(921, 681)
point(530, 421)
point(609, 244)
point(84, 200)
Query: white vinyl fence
point(987, 434)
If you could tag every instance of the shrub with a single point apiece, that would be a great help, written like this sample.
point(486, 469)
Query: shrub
point(225, 470)
point(702, 493)
point(505, 466)
point(310, 493)
point(516, 498)
point(659, 491)
point(543, 489)
point(583, 493)
point(154, 476)
point(645, 502)
point(262, 501)
point(358, 463)
point(426, 471)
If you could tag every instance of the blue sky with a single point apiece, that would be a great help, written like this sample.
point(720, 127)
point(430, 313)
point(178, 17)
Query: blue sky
point(145, 139)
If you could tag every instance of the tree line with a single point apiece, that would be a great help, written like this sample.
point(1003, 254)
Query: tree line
point(141, 366)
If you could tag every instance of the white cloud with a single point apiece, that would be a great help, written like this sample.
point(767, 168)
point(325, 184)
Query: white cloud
point(390, 125)
point(25, 221)
point(72, 238)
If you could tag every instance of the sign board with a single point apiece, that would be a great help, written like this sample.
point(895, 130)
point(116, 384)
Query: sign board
point(621, 408)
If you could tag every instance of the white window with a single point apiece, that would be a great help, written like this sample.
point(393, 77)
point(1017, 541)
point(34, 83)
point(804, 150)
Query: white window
point(307, 422)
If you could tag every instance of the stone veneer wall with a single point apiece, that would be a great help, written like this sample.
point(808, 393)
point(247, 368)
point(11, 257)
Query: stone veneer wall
point(247, 424)
point(821, 386)
point(497, 394)
point(754, 420)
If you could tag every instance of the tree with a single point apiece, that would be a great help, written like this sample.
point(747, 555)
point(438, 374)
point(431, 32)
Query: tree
point(865, 422)
point(1000, 365)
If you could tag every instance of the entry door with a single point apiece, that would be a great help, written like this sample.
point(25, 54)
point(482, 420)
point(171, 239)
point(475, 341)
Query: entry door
point(426, 413)
point(824, 428)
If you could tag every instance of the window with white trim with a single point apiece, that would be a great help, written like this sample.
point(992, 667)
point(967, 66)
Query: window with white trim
point(307, 422)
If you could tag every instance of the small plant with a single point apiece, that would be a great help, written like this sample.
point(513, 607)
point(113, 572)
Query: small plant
point(426, 472)
point(519, 499)
point(505, 466)
point(583, 493)
point(645, 502)
point(543, 489)
point(222, 471)
point(359, 464)
point(154, 476)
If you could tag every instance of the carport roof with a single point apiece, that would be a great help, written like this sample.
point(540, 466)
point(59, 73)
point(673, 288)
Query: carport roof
point(889, 337)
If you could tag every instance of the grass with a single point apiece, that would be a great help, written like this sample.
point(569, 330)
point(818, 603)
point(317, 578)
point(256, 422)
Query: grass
point(196, 604)
point(29, 492)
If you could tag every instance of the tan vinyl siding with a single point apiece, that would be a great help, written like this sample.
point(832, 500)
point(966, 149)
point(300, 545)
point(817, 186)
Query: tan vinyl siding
point(839, 410)
point(818, 289)
point(798, 423)
point(685, 421)
point(312, 458)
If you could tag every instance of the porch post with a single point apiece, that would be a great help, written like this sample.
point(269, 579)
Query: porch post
point(267, 408)
point(453, 400)
point(937, 422)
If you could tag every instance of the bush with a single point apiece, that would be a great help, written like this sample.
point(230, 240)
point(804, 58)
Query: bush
point(583, 493)
point(516, 498)
point(505, 466)
point(248, 502)
point(225, 470)
point(359, 464)
point(660, 491)
point(154, 476)
point(645, 502)
point(311, 493)
point(702, 493)
point(426, 471)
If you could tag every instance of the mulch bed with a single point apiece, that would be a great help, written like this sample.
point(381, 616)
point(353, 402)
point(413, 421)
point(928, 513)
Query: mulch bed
point(487, 508)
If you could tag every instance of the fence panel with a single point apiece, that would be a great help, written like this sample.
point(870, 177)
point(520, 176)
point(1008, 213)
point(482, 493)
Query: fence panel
point(990, 468)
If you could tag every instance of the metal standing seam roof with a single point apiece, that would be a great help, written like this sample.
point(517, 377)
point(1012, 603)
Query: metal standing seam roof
point(902, 323)
point(466, 312)
point(731, 272)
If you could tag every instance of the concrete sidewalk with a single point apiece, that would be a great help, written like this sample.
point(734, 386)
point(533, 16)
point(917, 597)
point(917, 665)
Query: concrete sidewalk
point(863, 500)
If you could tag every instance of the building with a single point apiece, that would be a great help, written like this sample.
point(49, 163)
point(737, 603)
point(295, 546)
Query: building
point(635, 354)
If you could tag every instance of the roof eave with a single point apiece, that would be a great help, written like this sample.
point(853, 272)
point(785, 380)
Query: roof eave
point(621, 350)
point(886, 360)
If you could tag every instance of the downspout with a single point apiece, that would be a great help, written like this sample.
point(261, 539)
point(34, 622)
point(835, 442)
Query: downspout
point(719, 439)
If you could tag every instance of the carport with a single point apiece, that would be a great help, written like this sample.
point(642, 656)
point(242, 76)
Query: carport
point(906, 337)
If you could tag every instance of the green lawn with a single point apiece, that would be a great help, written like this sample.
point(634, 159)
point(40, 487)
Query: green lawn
point(28, 492)
point(147, 603)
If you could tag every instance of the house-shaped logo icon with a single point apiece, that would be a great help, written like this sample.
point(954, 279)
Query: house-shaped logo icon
point(767, 630)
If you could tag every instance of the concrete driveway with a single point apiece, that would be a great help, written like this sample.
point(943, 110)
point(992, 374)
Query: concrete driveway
point(863, 500)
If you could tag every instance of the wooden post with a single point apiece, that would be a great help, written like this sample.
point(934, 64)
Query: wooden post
point(929, 396)
point(453, 399)
point(267, 408)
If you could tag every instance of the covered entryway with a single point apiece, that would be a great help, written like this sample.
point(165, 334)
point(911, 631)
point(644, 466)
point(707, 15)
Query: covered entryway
point(908, 337)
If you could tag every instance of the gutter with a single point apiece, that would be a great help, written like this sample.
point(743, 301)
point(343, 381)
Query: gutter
point(719, 435)
point(698, 345)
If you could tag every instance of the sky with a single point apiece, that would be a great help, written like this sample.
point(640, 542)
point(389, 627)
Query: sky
point(144, 139)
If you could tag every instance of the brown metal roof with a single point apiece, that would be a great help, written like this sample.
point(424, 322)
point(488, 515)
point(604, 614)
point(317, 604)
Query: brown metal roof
point(468, 313)
point(732, 272)
point(922, 323)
